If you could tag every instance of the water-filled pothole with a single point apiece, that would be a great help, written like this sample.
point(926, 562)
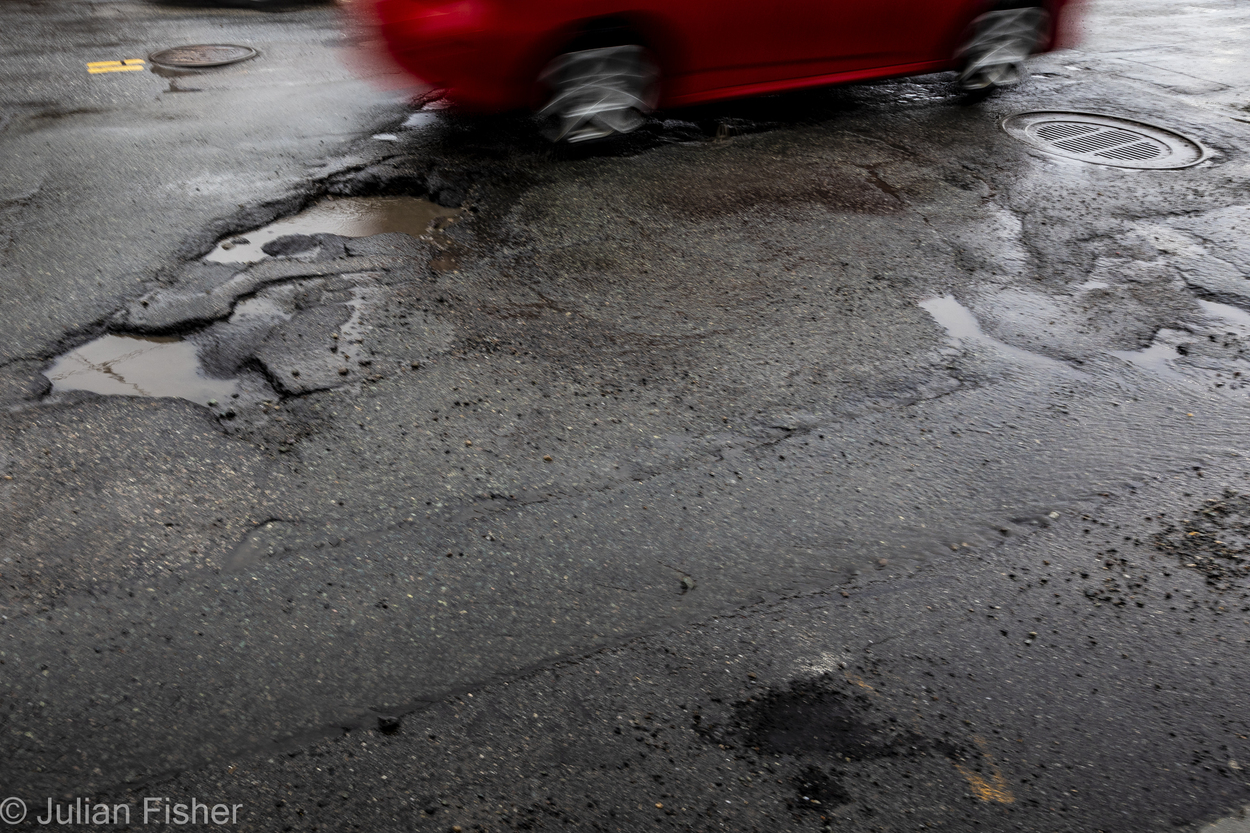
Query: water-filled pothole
point(139, 366)
point(1215, 354)
point(263, 348)
point(344, 216)
point(964, 329)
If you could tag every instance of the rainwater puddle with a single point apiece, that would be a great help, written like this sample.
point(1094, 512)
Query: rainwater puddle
point(1239, 822)
point(963, 328)
point(1159, 356)
point(957, 319)
point(1173, 352)
point(344, 216)
point(420, 120)
point(1169, 355)
point(1226, 312)
point(138, 366)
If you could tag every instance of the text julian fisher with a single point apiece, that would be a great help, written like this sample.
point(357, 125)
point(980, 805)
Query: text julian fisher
point(154, 811)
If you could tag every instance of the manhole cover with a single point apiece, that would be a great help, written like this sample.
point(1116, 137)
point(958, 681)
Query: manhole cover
point(1105, 140)
point(202, 55)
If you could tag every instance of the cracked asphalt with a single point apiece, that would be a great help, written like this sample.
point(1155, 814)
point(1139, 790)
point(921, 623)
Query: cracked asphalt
point(823, 461)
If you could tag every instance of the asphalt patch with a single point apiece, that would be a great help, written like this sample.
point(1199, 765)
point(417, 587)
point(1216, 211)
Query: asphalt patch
point(290, 244)
point(821, 726)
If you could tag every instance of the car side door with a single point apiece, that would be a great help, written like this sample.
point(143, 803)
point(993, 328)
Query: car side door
point(729, 43)
point(870, 34)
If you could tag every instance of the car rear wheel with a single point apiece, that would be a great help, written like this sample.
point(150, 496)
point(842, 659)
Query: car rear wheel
point(1000, 43)
point(598, 93)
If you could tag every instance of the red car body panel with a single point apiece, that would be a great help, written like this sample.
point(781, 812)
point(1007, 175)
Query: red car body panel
point(488, 54)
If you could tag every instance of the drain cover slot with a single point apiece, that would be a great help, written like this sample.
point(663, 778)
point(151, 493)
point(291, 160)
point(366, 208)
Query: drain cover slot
point(202, 55)
point(1105, 140)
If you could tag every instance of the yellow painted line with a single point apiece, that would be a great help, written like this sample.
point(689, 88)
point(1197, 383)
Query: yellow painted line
point(127, 65)
point(859, 681)
point(993, 789)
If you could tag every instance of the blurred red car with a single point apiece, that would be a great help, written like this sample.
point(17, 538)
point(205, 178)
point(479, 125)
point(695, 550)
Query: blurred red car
point(595, 67)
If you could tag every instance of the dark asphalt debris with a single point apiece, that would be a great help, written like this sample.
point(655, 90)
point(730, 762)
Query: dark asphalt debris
point(290, 244)
point(1215, 541)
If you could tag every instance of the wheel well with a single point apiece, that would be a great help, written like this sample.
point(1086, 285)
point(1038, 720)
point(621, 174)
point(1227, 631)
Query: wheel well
point(601, 32)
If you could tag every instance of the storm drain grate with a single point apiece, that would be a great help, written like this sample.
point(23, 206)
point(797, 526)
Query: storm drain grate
point(1105, 140)
point(202, 55)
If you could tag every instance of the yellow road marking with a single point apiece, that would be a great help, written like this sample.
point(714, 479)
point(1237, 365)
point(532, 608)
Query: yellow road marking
point(127, 65)
point(995, 789)
point(859, 681)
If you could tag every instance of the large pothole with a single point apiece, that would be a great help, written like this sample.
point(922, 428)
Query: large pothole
point(288, 338)
point(300, 235)
point(280, 311)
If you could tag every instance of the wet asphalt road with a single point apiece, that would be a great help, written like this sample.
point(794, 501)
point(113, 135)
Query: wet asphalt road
point(829, 448)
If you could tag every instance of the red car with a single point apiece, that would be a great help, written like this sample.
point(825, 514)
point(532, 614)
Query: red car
point(596, 67)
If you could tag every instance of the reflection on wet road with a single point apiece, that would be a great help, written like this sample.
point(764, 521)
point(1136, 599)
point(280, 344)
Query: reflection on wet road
point(135, 366)
point(794, 353)
point(963, 328)
point(342, 216)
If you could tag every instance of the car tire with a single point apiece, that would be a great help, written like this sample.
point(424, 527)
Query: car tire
point(1001, 40)
point(598, 93)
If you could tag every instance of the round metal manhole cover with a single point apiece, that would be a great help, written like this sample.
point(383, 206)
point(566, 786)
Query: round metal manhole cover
point(202, 55)
point(1105, 140)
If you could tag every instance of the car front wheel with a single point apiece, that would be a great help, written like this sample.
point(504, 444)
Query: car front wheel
point(598, 93)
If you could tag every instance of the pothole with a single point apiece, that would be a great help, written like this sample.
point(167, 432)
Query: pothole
point(342, 216)
point(964, 329)
point(1105, 140)
point(1218, 355)
point(122, 365)
point(251, 335)
point(290, 338)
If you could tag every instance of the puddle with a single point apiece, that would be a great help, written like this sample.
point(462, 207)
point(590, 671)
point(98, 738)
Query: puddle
point(963, 328)
point(957, 319)
point(1239, 822)
point(1226, 312)
point(1180, 355)
point(137, 366)
point(344, 216)
point(1158, 358)
point(352, 331)
point(419, 120)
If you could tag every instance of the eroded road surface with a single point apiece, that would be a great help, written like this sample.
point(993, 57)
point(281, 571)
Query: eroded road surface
point(826, 461)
